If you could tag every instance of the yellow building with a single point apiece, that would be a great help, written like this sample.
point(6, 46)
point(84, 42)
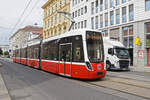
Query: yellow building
point(55, 23)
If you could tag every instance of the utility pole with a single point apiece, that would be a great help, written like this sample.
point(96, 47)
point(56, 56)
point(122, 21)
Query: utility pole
point(68, 17)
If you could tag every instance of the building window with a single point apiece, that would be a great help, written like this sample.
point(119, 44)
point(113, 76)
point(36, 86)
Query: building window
point(112, 18)
point(101, 5)
point(123, 1)
point(75, 25)
point(148, 27)
point(52, 21)
point(147, 35)
point(78, 12)
point(114, 34)
point(92, 22)
point(59, 18)
point(81, 11)
point(55, 19)
point(111, 3)
point(75, 2)
point(96, 22)
point(101, 21)
point(78, 25)
point(96, 6)
point(56, 7)
point(72, 3)
point(117, 2)
point(78, 1)
point(106, 19)
point(59, 30)
point(131, 13)
point(82, 24)
point(106, 4)
point(61, 4)
point(105, 33)
point(128, 36)
point(48, 22)
point(64, 29)
point(92, 8)
point(147, 5)
point(85, 23)
point(124, 16)
point(75, 13)
point(117, 16)
point(85, 9)
point(49, 11)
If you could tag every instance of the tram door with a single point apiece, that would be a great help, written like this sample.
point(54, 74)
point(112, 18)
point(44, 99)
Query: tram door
point(65, 58)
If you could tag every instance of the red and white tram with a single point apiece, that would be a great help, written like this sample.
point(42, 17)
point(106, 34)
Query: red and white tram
point(77, 54)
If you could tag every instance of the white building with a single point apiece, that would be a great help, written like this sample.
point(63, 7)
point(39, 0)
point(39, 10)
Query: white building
point(124, 20)
point(23, 36)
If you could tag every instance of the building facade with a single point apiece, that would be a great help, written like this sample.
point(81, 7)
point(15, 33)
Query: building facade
point(55, 23)
point(24, 36)
point(123, 20)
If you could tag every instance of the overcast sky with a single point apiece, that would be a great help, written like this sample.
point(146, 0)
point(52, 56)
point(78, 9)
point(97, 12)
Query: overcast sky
point(11, 10)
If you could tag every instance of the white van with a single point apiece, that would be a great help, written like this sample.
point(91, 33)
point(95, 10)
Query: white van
point(116, 55)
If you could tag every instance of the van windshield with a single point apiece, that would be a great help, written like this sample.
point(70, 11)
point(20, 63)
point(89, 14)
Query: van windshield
point(94, 46)
point(122, 53)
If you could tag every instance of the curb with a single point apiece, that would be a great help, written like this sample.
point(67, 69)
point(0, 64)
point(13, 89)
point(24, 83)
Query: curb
point(138, 69)
point(4, 95)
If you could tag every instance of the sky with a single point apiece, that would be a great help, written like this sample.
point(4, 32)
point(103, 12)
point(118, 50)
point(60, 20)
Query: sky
point(10, 12)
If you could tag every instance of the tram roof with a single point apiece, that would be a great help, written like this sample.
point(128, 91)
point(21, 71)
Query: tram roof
point(70, 33)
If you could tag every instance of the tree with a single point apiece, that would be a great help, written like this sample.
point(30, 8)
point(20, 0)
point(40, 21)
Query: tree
point(1, 52)
point(6, 53)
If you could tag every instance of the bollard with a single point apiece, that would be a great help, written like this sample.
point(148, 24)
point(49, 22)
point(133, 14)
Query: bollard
point(0, 65)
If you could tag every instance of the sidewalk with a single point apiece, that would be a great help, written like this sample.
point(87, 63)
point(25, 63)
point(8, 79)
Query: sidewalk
point(4, 95)
point(140, 69)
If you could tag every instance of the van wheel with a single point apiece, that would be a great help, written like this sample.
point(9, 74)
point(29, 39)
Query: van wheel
point(108, 66)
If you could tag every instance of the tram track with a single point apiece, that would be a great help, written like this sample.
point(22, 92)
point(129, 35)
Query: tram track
point(125, 86)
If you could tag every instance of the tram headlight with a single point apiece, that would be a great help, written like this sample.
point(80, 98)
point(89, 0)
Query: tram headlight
point(88, 65)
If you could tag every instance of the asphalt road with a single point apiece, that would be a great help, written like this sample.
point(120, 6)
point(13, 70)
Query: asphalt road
point(25, 83)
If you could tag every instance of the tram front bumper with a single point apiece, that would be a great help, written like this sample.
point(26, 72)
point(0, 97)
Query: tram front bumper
point(95, 75)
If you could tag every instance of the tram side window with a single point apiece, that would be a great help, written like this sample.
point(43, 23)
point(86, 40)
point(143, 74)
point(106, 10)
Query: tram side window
point(35, 52)
point(29, 52)
point(53, 50)
point(44, 51)
point(16, 53)
point(78, 54)
point(32, 52)
point(21, 53)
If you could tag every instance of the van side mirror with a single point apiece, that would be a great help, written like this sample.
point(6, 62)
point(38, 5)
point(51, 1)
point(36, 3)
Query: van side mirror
point(110, 51)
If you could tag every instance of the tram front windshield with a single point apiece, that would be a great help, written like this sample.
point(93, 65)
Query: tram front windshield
point(95, 47)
